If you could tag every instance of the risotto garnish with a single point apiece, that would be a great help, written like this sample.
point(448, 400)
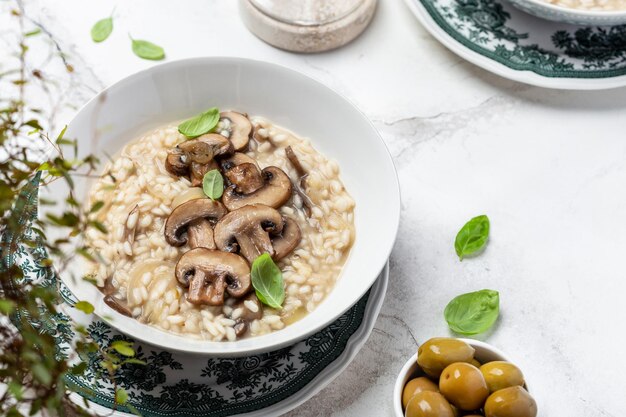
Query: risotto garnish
point(220, 228)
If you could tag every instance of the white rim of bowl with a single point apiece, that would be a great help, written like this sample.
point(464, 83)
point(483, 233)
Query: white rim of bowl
point(577, 12)
point(399, 385)
point(200, 348)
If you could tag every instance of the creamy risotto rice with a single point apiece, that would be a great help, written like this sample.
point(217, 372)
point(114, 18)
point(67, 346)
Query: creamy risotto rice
point(137, 268)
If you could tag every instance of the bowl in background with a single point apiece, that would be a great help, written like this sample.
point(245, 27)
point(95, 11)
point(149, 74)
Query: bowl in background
point(571, 15)
point(180, 89)
point(484, 353)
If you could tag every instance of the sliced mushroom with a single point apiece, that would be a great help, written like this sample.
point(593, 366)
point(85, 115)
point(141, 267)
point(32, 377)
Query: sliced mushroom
point(204, 148)
point(235, 159)
point(237, 129)
point(208, 274)
point(247, 230)
point(287, 241)
point(245, 177)
point(275, 192)
point(177, 226)
point(293, 158)
point(130, 226)
point(240, 327)
point(177, 162)
point(196, 175)
point(301, 184)
point(200, 234)
point(247, 315)
point(243, 172)
point(195, 157)
point(117, 305)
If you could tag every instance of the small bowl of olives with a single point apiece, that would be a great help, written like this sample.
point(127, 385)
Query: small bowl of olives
point(451, 377)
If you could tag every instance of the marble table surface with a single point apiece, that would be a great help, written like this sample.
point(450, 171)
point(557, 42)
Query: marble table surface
point(548, 167)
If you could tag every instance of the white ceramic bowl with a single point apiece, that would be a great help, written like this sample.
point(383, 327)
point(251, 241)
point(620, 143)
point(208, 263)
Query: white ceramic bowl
point(484, 353)
point(180, 89)
point(557, 13)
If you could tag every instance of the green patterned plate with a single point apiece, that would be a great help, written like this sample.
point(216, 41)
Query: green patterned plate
point(181, 385)
point(513, 44)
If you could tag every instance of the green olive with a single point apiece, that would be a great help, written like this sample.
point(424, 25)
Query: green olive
point(464, 386)
point(455, 411)
point(415, 386)
point(428, 404)
point(500, 374)
point(511, 402)
point(475, 363)
point(437, 353)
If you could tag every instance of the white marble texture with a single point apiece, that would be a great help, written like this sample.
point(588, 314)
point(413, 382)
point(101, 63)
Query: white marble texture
point(548, 167)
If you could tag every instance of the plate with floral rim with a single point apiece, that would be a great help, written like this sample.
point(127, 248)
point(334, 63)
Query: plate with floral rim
point(176, 384)
point(502, 39)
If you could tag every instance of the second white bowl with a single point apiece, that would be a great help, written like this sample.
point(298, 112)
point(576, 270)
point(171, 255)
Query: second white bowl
point(484, 353)
point(571, 15)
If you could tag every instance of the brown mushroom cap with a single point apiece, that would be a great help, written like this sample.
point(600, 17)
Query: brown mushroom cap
point(196, 174)
point(245, 177)
point(241, 324)
point(235, 159)
point(177, 162)
point(275, 191)
point(247, 230)
point(209, 273)
point(204, 148)
point(196, 155)
point(242, 171)
point(177, 224)
point(288, 239)
point(239, 130)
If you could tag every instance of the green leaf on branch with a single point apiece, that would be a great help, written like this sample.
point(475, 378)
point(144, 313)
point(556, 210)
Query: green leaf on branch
point(7, 307)
point(84, 306)
point(41, 373)
point(121, 396)
point(123, 348)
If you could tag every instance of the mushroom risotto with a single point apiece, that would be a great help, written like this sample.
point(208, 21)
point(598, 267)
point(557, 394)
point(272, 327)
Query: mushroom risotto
point(599, 5)
point(221, 228)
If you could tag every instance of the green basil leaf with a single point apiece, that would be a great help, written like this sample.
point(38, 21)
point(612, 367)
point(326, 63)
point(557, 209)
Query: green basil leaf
point(102, 29)
point(472, 237)
point(148, 50)
point(200, 124)
point(474, 312)
point(267, 281)
point(84, 306)
point(213, 184)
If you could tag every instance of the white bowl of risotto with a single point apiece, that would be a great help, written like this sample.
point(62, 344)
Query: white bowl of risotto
point(246, 206)
point(578, 12)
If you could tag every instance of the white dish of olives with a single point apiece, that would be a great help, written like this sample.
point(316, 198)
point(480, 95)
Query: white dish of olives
point(451, 377)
